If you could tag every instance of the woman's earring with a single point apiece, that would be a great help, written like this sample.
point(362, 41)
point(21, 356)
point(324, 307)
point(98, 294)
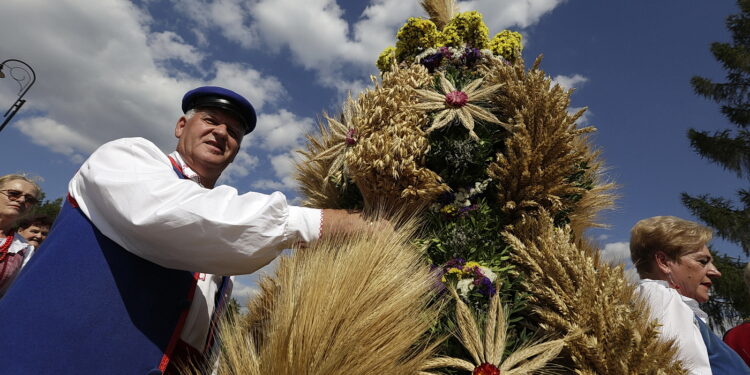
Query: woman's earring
point(672, 283)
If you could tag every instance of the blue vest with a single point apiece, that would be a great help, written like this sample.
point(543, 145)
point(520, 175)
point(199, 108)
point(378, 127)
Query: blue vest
point(723, 359)
point(85, 305)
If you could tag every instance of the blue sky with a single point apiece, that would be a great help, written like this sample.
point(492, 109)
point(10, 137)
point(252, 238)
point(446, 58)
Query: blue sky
point(112, 68)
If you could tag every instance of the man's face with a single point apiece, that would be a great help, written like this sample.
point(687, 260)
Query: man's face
point(34, 234)
point(209, 140)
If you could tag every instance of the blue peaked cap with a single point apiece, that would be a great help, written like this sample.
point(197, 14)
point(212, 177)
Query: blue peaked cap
point(219, 97)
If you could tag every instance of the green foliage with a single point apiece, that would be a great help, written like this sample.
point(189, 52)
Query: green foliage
point(731, 150)
point(460, 160)
point(472, 235)
point(46, 207)
point(719, 213)
point(579, 179)
point(735, 57)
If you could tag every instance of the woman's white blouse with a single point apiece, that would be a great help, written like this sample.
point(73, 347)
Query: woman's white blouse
point(677, 315)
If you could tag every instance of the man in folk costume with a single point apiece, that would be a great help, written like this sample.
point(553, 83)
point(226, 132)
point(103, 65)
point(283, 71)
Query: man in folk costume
point(129, 279)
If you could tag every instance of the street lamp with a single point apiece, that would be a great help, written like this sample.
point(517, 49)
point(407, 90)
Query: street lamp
point(22, 73)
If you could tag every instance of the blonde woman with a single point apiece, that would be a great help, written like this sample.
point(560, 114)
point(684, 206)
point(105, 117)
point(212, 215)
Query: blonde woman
point(676, 270)
point(17, 195)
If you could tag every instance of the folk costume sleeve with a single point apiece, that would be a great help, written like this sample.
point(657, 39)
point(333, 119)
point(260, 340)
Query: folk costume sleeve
point(129, 190)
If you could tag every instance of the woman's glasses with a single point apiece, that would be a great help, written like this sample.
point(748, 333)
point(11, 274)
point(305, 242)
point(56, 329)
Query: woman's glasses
point(15, 195)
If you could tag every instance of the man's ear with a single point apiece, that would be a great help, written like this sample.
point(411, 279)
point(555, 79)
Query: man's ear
point(661, 260)
point(180, 127)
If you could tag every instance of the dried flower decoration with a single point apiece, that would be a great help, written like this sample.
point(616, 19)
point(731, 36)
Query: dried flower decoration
point(343, 135)
point(507, 44)
point(458, 104)
point(414, 37)
point(470, 28)
point(386, 59)
point(487, 348)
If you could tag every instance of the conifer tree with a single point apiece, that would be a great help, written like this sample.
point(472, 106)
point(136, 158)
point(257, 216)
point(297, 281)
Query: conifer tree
point(729, 148)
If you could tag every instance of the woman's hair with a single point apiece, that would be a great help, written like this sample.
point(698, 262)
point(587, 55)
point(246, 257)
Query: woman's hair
point(669, 234)
point(12, 177)
point(40, 220)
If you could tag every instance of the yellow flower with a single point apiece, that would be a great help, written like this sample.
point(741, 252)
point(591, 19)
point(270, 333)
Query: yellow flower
point(453, 104)
point(386, 59)
point(448, 209)
point(472, 264)
point(449, 38)
point(454, 271)
point(507, 44)
point(414, 37)
point(470, 28)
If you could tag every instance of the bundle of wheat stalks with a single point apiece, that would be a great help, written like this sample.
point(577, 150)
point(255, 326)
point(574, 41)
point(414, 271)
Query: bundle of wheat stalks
point(368, 304)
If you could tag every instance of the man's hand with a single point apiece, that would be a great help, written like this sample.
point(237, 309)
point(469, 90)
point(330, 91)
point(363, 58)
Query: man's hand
point(348, 222)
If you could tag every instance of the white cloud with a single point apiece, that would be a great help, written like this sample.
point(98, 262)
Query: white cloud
point(101, 73)
point(281, 134)
point(502, 14)
point(570, 82)
point(243, 164)
point(168, 45)
point(47, 132)
point(284, 169)
point(616, 253)
point(243, 289)
point(228, 16)
point(585, 119)
point(320, 39)
point(282, 131)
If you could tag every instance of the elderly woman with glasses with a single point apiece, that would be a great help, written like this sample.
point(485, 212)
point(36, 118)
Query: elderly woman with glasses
point(677, 271)
point(17, 195)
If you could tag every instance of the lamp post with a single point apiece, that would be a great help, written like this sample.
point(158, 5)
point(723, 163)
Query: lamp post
point(22, 73)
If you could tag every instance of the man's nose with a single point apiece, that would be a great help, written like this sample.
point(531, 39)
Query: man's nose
point(221, 129)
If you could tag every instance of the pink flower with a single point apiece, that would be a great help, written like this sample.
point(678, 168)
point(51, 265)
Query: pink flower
point(351, 135)
point(456, 99)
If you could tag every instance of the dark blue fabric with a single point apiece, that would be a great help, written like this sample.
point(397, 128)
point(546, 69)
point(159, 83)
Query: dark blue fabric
point(85, 305)
point(213, 96)
point(723, 360)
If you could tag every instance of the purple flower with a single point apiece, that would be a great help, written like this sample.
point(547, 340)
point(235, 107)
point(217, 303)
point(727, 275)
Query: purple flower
point(455, 262)
point(465, 210)
point(446, 52)
point(485, 286)
point(351, 137)
point(471, 56)
point(431, 62)
point(456, 99)
point(437, 284)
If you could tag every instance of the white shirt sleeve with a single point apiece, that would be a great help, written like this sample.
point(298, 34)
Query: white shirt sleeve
point(129, 190)
point(677, 322)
